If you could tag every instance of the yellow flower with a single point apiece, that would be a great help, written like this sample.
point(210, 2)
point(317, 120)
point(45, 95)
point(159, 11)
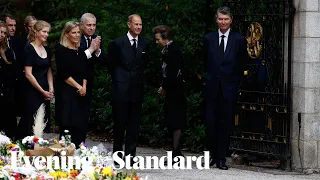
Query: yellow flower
point(9, 146)
point(53, 174)
point(127, 178)
point(91, 175)
point(107, 171)
point(1, 162)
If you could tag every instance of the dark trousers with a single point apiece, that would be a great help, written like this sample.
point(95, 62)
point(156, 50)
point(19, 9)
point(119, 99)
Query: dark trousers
point(126, 117)
point(9, 121)
point(219, 115)
point(78, 134)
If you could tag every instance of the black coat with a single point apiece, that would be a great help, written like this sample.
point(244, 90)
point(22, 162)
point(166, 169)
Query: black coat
point(227, 71)
point(173, 83)
point(127, 68)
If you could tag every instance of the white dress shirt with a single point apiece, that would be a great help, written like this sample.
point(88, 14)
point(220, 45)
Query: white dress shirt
point(131, 39)
point(97, 53)
point(225, 38)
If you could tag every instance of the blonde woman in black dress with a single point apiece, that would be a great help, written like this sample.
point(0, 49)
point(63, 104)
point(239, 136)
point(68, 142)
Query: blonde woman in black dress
point(72, 105)
point(39, 87)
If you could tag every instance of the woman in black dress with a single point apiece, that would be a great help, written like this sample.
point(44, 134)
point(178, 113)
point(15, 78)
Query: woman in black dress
point(7, 110)
point(39, 87)
point(172, 86)
point(71, 101)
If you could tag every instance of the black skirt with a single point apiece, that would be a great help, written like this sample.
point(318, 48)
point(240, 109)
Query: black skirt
point(175, 110)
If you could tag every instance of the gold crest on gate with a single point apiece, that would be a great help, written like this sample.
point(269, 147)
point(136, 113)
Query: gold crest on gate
point(254, 37)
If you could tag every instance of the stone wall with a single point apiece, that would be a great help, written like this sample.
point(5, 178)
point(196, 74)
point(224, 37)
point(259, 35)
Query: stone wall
point(306, 84)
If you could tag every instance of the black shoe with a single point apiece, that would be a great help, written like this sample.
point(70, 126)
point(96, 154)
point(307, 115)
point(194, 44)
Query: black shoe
point(222, 166)
point(212, 162)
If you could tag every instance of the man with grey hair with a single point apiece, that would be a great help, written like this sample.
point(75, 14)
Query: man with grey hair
point(88, 28)
point(225, 59)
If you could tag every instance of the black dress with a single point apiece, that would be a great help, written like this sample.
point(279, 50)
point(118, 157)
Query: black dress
point(7, 109)
point(72, 110)
point(173, 83)
point(33, 98)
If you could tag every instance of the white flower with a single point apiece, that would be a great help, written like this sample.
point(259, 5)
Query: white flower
point(66, 131)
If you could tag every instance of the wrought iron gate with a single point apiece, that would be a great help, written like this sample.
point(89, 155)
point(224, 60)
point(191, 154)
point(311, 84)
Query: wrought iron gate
point(262, 121)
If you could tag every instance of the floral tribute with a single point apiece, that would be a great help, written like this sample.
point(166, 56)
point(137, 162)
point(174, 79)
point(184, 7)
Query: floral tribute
point(101, 167)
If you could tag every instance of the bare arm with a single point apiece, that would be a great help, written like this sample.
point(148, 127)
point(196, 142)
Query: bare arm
point(34, 82)
point(73, 83)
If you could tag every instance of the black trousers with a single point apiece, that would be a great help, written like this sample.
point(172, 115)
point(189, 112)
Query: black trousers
point(219, 115)
point(126, 117)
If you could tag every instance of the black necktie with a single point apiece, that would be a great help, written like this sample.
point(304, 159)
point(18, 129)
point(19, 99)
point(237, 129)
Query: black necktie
point(134, 45)
point(11, 48)
point(89, 42)
point(222, 46)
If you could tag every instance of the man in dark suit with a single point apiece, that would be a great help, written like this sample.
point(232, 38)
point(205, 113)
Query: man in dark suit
point(127, 59)
point(224, 52)
point(88, 28)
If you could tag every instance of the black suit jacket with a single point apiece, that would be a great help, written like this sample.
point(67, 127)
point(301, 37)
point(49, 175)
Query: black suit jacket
point(91, 62)
point(226, 71)
point(127, 68)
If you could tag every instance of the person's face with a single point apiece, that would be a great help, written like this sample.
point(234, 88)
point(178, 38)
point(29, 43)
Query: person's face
point(11, 23)
point(89, 26)
point(30, 25)
point(43, 34)
point(74, 35)
point(3, 33)
point(135, 26)
point(160, 41)
point(224, 21)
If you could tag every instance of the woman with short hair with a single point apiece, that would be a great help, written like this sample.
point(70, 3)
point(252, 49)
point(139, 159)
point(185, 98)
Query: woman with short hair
point(172, 86)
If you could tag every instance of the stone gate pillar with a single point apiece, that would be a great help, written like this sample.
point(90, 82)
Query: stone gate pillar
point(306, 85)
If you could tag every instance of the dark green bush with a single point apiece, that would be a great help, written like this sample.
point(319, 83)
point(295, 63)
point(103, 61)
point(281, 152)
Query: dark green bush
point(189, 19)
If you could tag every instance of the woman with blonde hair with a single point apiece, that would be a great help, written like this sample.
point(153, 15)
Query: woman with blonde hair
point(39, 87)
point(7, 80)
point(72, 105)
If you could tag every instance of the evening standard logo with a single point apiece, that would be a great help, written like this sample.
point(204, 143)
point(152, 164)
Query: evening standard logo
point(128, 162)
point(155, 162)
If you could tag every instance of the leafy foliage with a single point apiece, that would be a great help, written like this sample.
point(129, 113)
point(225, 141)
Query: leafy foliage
point(189, 19)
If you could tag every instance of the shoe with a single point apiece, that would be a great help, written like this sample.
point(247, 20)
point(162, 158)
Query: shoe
point(212, 162)
point(222, 165)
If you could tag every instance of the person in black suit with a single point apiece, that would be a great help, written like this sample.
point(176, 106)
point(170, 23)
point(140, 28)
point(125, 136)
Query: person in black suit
point(225, 61)
point(172, 86)
point(19, 44)
point(7, 109)
point(72, 106)
point(127, 59)
point(88, 28)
